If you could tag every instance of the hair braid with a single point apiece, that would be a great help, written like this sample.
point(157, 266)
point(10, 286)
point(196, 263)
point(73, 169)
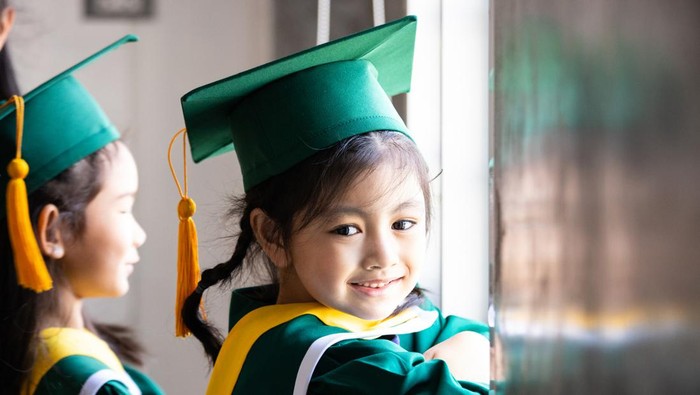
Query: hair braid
point(207, 334)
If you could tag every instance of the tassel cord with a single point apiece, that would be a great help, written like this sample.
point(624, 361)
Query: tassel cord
point(188, 272)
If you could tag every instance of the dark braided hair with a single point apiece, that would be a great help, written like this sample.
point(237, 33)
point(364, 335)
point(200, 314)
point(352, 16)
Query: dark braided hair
point(309, 189)
point(208, 335)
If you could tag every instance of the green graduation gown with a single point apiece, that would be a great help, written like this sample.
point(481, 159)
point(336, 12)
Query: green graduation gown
point(75, 361)
point(380, 365)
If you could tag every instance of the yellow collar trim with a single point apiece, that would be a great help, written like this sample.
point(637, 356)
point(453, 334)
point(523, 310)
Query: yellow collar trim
point(254, 324)
point(58, 343)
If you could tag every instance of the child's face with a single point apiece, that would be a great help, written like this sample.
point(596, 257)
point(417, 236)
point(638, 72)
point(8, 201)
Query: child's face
point(364, 256)
point(99, 262)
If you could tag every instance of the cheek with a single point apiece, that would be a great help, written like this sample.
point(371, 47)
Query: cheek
point(100, 252)
point(414, 259)
point(416, 253)
point(114, 237)
point(322, 267)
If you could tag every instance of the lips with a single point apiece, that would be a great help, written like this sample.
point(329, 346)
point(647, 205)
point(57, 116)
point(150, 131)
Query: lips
point(379, 283)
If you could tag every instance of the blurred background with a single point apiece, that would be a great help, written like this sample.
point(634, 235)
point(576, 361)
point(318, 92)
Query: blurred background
point(596, 200)
point(185, 44)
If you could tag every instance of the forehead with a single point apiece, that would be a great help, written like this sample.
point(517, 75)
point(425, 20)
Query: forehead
point(385, 185)
point(120, 174)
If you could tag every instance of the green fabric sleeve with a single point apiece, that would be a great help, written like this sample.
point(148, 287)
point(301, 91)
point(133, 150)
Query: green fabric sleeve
point(387, 368)
point(69, 374)
point(382, 367)
point(441, 330)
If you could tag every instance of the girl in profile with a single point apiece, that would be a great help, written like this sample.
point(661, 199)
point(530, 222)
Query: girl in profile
point(68, 233)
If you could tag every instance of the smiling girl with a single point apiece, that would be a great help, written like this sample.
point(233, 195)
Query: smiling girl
point(72, 237)
point(337, 203)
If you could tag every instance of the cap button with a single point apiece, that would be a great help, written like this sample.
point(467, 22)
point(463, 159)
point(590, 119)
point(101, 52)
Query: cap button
point(18, 168)
point(186, 208)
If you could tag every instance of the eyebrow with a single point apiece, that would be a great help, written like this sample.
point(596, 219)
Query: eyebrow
point(125, 194)
point(408, 204)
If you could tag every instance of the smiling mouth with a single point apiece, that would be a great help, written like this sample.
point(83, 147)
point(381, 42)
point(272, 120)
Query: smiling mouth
point(375, 283)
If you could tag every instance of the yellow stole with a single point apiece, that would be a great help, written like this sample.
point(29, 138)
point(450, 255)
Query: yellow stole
point(58, 343)
point(254, 324)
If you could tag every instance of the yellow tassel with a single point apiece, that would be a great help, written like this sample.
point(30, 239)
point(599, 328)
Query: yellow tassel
point(29, 263)
point(188, 273)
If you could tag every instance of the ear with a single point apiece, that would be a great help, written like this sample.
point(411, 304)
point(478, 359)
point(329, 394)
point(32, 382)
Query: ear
point(7, 19)
point(263, 227)
point(49, 233)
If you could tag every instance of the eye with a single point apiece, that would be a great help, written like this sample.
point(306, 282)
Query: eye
point(125, 210)
point(125, 204)
point(346, 230)
point(402, 225)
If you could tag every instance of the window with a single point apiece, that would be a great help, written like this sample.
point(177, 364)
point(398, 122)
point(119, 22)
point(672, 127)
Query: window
point(447, 110)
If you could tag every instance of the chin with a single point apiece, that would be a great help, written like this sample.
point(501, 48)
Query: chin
point(373, 315)
point(119, 290)
point(123, 290)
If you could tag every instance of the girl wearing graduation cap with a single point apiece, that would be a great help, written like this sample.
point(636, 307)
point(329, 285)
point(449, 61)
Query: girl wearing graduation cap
point(68, 234)
point(337, 204)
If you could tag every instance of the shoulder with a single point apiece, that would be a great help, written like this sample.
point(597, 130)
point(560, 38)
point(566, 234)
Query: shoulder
point(292, 338)
point(58, 343)
point(246, 300)
point(81, 374)
point(253, 348)
point(73, 360)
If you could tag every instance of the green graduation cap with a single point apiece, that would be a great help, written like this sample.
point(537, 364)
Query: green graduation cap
point(280, 113)
point(62, 124)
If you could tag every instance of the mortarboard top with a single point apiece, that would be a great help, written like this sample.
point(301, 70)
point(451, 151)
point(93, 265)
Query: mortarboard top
point(282, 112)
point(62, 124)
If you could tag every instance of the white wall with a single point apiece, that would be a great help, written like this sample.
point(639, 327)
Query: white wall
point(186, 44)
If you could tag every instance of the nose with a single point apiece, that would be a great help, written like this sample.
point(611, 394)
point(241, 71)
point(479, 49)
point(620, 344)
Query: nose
point(381, 251)
point(139, 235)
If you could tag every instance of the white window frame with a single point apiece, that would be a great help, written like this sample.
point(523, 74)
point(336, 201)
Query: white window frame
point(447, 110)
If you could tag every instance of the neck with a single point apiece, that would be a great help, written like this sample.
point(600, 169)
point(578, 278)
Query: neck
point(70, 310)
point(290, 288)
